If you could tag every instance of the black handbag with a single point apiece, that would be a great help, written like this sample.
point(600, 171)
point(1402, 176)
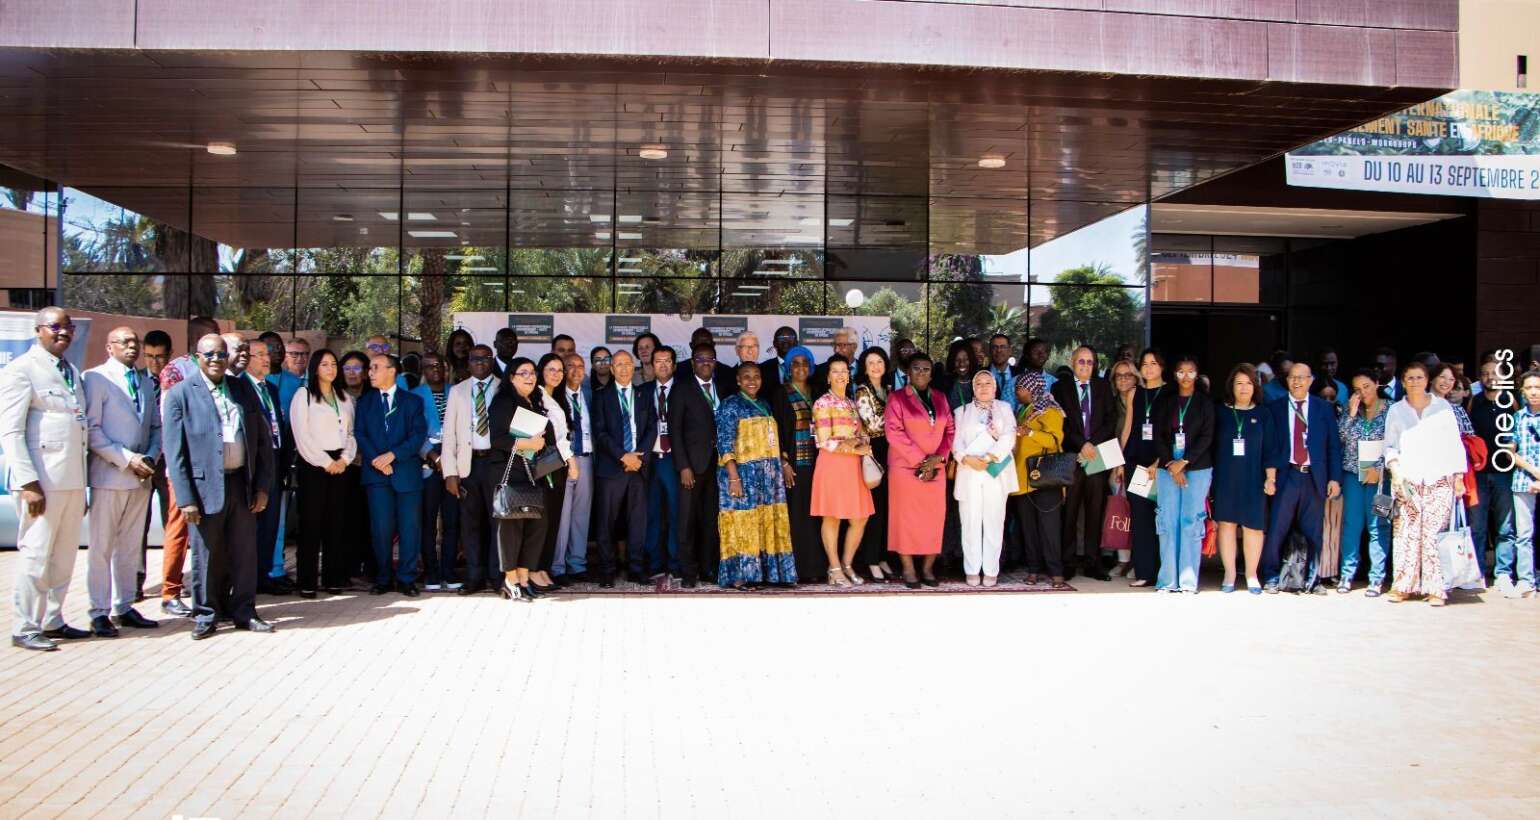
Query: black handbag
point(1383, 504)
point(518, 500)
point(547, 461)
point(1052, 471)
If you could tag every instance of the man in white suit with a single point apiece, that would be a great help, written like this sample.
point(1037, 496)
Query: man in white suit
point(123, 429)
point(43, 433)
point(469, 474)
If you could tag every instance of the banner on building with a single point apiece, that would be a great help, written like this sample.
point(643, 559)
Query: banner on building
point(617, 330)
point(1465, 143)
point(17, 335)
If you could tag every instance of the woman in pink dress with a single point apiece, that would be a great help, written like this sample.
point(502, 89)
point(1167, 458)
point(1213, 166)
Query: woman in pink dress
point(919, 428)
point(839, 487)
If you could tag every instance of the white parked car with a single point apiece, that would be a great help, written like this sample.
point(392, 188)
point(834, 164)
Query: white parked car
point(10, 521)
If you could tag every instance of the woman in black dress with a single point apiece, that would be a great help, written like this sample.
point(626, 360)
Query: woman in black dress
point(873, 381)
point(1242, 435)
point(520, 542)
point(1139, 451)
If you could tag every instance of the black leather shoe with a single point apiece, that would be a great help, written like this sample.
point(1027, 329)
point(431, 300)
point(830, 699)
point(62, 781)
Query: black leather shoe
point(607, 583)
point(688, 583)
point(133, 619)
point(201, 631)
point(379, 589)
point(256, 625)
point(470, 588)
point(409, 590)
point(931, 582)
point(332, 591)
point(307, 593)
point(528, 594)
point(579, 577)
point(544, 589)
point(282, 585)
point(101, 627)
point(911, 584)
point(1097, 573)
point(37, 643)
point(175, 608)
point(66, 632)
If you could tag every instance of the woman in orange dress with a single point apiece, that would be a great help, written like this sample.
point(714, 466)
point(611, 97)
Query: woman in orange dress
point(919, 429)
point(839, 487)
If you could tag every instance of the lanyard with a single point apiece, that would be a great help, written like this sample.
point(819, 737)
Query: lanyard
point(1239, 430)
point(1150, 399)
point(1181, 415)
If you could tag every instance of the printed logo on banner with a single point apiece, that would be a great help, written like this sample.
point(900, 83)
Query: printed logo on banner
point(533, 327)
point(818, 330)
point(17, 335)
point(725, 328)
point(625, 329)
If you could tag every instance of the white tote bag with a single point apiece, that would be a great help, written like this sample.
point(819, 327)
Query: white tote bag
point(1457, 553)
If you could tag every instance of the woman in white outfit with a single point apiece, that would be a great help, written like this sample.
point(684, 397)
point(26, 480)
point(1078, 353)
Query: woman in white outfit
point(986, 434)
point(1426, 494)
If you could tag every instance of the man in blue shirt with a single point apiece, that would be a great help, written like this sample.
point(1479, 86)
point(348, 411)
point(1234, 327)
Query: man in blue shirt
point(1000, 368)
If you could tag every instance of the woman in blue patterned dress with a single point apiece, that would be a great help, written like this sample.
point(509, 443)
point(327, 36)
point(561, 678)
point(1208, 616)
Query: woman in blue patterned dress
point(756, 534)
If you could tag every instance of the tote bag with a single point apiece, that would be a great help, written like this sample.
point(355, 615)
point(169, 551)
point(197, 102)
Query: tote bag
point(1115, 523)
point(1457, 553)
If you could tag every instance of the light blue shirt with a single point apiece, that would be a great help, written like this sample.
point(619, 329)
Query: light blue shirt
point(1005, 386)
point(288, 385)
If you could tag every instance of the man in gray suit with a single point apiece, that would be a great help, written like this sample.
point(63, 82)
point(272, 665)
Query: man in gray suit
point(123, 425)
point(43, 433)
point(219, 458)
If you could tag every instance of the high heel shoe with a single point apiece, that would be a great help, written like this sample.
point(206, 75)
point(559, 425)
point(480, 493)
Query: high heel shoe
point(529, 593)
point(914, 584)
point(853, 576)
point(509, 592)
point(837, 578)
point(876, 571)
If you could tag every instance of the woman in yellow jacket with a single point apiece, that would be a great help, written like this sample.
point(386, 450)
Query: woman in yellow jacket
point(1039, 431)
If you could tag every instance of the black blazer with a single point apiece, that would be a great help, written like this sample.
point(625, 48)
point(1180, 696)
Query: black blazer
point(285, 454)
point(1103, 413)
point(692, 426)
point(1197, 424)
point(726, 377)
point(648, 394)
point(608, 432)
point(500, 413)
point(194, 443)
point(770, 370)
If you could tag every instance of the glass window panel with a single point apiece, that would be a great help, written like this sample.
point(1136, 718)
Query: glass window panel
point(450, 232)
point(348, 231)
point(1319, 274)
point(776, 295)
point(349, 309)
point(904, 303)
point(252, 228)
point(1181, 268)
point(1250, 270)
point(573, 261)
point(764, 265)
point(528, 294)
point(1103, 317)
point(688, 297)
point(769, 220)
point(673, 263)
point(1114, 246)
point(130, 294)
point(659, 219)
point(111, 230)
point(28, 243)
point(256, 301)
point(877, 263)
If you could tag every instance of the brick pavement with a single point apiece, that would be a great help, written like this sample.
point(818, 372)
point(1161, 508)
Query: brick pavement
point(1108, 702)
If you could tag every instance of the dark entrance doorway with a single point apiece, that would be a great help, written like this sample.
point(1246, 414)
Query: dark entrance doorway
point(1219, 337)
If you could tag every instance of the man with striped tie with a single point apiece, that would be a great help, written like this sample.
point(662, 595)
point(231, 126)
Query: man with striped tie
point(692, 418)
point(571, 557)
point(468, 470)
point(625, 429)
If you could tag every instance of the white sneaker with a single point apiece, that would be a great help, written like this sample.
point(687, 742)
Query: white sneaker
point(432, 587)
point(453, 586)
point(1504, 584)
point(1526, 590)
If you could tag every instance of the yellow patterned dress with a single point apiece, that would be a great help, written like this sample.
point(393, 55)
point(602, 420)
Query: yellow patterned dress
point(755, 529)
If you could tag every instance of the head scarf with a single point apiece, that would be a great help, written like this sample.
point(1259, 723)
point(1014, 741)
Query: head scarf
point(793, 353)
point(1038, 386)
point(975, 383)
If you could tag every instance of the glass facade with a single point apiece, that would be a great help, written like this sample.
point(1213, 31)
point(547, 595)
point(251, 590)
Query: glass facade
point(402, 263)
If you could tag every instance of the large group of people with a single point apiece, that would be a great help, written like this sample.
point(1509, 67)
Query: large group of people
point(481, 468)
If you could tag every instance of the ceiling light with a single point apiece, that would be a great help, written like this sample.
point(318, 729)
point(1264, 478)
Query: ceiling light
point(630, 236)
point(992, 162)
point(601, 218)
point(624, 259)
point(487, 268)
point(222, 149)
point(630, 219)
point(605, 235)
point(628, 270)
point(653, 152)
point(343, 218)
point(421, 216)
point(460, 257)
point(799, 239)
point(753, 287)
point(432, 234)
point(390, 216)
point(840, 223)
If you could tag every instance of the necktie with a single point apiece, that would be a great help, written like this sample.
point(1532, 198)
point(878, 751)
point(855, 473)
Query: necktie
point(132, 377)
point(627, 441)
point(576, 400)
point(711, 394)
point(1085, 408)
point(483, 427)
point(1301, 452)
point(386, 398)
point(69, 375)
point(272, 414)
point(663, 415)
point(899, 380)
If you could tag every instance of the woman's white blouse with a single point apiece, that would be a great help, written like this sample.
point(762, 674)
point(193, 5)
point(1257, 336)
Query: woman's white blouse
point(317, 428)
point(558, 419)
point(973, 421)
point(1402, 417)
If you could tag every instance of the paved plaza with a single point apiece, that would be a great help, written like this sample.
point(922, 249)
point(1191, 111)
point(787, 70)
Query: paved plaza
point(1103, 703)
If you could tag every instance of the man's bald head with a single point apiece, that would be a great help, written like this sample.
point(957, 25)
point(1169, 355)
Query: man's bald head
point(123, 345)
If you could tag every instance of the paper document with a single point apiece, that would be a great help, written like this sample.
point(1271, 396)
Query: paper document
point(1109, 454)
point(980, 446)
point(1370, 451)
point(1432, 450)
point(1141, 484)
point(527, 423)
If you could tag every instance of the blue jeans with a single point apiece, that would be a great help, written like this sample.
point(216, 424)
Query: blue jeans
point(1357, 516)
point(1494, 506)
point(1522, 546)
point(664, 488)
point(1180, 514)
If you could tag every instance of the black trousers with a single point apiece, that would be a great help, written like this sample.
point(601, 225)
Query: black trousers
point(323, 534)
point(476, 525)
point(700, 542)
point(874, 539)
point(1037, 518)
point(520, 541)
point(360, 547)
point(1143, 538)
point(555, 496)
point(622, 498)
point(806, 542)
point(1084, 510)
point(224, 558)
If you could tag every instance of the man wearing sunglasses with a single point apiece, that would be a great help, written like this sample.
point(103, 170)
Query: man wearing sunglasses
point(173, 553)
point(43, 433)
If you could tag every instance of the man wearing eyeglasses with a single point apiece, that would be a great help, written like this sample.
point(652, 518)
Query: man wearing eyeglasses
point(391, 431)
point(252, 365)
point(1089, 420)
point(43, 433)
point(470, 472)
point(1308, 460)
point(692, 419)
point(173, 553)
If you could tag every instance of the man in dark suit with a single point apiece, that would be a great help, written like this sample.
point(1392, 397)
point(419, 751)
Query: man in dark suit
point(692, 421)
point(1089, 420)
point(785, 339)
point(253, 366)
point(724, 375)
point(391, 429)
point(663, 476)
point(219, 459)
point(1305, 467)
point(846, 340)
point(1385, 360)
point(624, 431)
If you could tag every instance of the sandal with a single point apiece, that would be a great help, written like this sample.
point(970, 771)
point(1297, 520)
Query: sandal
point(854, 578)
point(1438, 600)
point(837, 578)
point(1058, 584)
point(1138, 582)
point(1032, 579)
point(991, 580)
